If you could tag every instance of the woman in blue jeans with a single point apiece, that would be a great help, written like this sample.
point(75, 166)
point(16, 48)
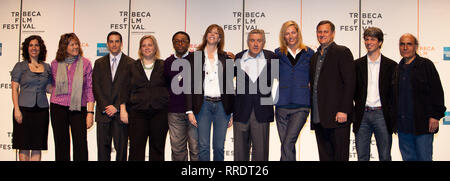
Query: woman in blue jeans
point(292, 108)
point(209, 102)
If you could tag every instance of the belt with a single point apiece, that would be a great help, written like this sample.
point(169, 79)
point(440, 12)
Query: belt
point(373, 108)
point(212, 99)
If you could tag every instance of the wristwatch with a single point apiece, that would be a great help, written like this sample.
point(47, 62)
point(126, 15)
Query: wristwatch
point(92, 112)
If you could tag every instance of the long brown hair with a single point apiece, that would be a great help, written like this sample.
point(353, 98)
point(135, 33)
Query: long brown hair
point(221, 43)
point(64, 41)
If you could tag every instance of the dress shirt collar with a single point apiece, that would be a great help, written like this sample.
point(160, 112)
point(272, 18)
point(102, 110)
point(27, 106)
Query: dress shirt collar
point(111, 56)
point(292, 53)
point(183, 56)
point(377, 61)
point(246, 56)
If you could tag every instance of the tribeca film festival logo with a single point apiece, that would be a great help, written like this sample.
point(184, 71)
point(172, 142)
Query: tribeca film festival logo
point(28, 19)
point(425, 50)
point(254, 86)
point(367, 20)
point(250, 21)
point(136, 21)
point(5, 86)
point(7, 146)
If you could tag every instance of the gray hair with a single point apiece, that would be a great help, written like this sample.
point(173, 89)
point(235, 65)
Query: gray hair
point(412, 36)
point(257, 31)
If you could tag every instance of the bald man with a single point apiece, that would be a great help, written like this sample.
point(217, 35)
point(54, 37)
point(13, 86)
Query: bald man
point(419, 102)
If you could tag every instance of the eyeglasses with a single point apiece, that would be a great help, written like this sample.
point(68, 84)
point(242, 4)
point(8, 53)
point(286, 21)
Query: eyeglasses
point(180, 41)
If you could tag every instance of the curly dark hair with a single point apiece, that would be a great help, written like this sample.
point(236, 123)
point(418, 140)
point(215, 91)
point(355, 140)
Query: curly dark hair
point(61, 54)
point(42, 48)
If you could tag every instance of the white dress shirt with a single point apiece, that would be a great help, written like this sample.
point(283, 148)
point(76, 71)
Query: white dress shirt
point(292, 53)
point(148, 69)
point(253, 66)
point(114, 65)
point(211, 83)
point(373, 71)
point(183, 56)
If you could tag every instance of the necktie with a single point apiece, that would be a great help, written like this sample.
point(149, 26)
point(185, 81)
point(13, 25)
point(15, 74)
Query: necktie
point(113, 68)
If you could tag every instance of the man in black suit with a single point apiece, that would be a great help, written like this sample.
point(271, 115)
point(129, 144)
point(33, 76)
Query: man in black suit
point(107, 78)
point(253, 110)
point(332, 80)
point(373, 98)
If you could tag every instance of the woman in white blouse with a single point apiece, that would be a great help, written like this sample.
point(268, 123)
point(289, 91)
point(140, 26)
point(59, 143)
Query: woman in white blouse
point(213, 104)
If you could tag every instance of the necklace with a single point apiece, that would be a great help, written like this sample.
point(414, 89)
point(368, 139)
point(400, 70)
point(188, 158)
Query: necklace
point(147, 68)
point(36, 66)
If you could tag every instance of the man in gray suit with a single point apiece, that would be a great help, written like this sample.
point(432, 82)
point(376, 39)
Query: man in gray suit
point(107, 77)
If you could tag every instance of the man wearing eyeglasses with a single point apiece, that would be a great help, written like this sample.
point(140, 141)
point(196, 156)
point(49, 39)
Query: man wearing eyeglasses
point(183, 134)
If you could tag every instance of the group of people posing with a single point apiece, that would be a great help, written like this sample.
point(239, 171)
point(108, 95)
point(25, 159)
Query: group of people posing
point(139, 101)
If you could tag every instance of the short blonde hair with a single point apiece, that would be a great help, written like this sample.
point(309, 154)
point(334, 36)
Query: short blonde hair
point(155, 43)
point(283, 43)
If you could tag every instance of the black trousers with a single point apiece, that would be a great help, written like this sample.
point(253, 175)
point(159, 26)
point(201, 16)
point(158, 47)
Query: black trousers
point(113, 131)
point(62, 119)
point(333, 143)
point(147, 125)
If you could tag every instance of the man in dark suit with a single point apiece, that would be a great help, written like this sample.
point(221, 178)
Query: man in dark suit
point(332, 80)
point(373, 98)
point(253, 110)
point(107, 78)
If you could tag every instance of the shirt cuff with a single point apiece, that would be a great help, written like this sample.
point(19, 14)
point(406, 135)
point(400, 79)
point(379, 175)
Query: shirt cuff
point(188, 112)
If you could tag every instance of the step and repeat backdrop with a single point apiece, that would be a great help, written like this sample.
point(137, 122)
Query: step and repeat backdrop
point(93, 20)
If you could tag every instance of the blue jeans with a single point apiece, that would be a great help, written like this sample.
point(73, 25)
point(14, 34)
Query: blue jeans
point(416, 147)
point(289, 124)
point(211, 112)
point(373, 123)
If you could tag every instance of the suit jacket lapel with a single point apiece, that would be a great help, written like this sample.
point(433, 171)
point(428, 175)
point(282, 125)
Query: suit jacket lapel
point(327, 57)
point(221, 67)
point(382, 73)
point(107, 65)
point(365, 72)
point(203, 67)
point(286, 60)
point(141, 70)
point(155, 67)
point(119, 67)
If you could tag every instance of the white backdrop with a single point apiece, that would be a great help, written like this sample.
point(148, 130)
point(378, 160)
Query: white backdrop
point(93, 20)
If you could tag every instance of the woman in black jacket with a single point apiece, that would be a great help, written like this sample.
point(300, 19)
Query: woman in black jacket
point(145, 99)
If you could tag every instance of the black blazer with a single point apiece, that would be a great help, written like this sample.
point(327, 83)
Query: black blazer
point(106, 90)
point(336, 85)
point(428, 94)
point(141, 94)
point(244, 103)
point(194, 100)
point(387, 70)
